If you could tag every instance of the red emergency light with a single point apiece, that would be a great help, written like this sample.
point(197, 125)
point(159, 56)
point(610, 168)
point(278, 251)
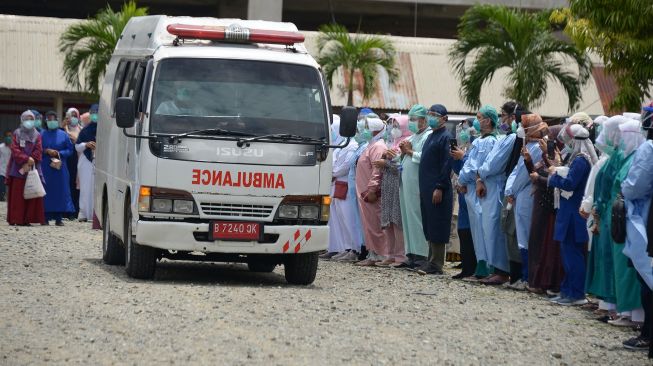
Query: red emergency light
point(235, 33)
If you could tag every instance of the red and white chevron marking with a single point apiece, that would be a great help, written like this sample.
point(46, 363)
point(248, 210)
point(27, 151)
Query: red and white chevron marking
point(297, 241)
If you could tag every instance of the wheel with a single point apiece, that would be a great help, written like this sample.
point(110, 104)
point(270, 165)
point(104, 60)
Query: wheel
point(300, 269)
point(140, 260)
point(112, 252)
point(261, 266)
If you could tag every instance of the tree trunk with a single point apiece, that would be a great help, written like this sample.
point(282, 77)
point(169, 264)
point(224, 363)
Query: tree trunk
point(350, 88)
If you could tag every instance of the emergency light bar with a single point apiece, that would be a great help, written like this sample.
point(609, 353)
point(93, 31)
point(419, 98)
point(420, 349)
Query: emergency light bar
point(235, 33)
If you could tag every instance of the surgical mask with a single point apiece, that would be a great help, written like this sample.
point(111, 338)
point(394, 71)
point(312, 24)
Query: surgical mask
point(74, 121)
point(8, 140)
point(94, 117)
point(38, 123)
point(183, 95)
point(464, 136)
point(433, 121)
point(477, 125)
point(28, 124)
point(359, 139)
point(514, 126)
point(504, 127)
point(366, 135)
point(395, 133)
point(360, 125)
point(412, 126)
point(521, 133)
point(606, 149)
point(53, 125)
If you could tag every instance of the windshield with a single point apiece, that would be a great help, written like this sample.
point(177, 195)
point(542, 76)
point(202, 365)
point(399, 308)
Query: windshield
point(254, 97)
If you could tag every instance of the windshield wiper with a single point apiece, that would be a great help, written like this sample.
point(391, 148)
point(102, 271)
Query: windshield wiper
point(209, 131)
point(278, 136)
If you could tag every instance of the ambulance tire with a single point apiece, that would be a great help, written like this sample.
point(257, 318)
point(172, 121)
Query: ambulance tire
point(300, 269)
point(140, 260)
point(112, 252)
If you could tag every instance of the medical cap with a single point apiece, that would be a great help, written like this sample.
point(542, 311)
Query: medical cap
point(374, 123)
point(490, 112)
point(439, 109)
point(418, 111)
point(366, 111)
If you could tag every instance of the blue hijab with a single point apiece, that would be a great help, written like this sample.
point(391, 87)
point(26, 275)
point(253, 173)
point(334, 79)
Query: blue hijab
point(87, 135)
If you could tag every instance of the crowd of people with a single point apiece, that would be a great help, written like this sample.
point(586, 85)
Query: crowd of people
point(62, 153)
point(558, 210)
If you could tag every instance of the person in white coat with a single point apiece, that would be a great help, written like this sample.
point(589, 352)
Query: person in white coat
point(343, 237)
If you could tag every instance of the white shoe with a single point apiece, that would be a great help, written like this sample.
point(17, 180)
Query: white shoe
point(348, 257)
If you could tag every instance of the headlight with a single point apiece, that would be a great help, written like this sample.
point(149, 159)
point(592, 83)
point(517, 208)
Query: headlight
point(161, 205)
point(308, 212)
point(185, 207)
point(288, 211)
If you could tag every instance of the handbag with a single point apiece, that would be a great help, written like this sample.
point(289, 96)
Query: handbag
point(55, 163)
point(33, 186)
point(340, 190)
point(618, 230)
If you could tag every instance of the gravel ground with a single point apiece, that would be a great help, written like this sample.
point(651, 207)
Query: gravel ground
point(60, 304)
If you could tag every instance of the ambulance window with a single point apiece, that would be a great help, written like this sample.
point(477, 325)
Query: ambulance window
point(136, 84)
point(117, 81)
point(128, 80)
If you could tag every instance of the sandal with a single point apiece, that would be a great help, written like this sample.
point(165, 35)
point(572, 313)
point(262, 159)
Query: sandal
point(494, 280)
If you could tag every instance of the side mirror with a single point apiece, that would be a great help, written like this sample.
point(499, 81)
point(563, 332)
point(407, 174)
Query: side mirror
point(348, 120)
point(125, 112)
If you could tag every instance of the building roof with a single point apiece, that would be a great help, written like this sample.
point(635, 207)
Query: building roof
point(31, 61)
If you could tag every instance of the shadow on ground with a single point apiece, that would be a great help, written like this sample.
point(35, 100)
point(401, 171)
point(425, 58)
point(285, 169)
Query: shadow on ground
point(210, 273)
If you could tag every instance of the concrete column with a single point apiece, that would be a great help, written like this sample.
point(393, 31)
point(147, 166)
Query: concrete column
point(58, 107)
point(265, 10)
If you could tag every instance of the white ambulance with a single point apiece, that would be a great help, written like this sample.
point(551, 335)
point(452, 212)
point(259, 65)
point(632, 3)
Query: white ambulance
point(214, 144)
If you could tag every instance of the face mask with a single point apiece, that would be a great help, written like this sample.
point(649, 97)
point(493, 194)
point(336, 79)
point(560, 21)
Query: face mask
point(38, 123)
point(182, 95)
point(74, 121)
point(94, 117)
point(464, 136)
point(8, 140)
point(366, 135)
point(360, 125)
point(396, 133)
point(359, 139)
point(521, 133)
point(433, 121)
point(53, 125)
point(28, 124)
point(477, 125)
point(412, 126)
point(513, 126)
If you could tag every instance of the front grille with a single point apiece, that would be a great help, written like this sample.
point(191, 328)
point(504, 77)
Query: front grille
point(236, 210)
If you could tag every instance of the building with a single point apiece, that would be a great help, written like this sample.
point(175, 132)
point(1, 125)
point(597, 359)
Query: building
point(31, 76)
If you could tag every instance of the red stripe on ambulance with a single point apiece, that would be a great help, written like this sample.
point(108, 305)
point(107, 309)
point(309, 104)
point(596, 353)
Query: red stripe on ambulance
point(222, 178)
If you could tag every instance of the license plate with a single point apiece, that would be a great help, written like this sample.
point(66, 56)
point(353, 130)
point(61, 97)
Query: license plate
point(228, 230)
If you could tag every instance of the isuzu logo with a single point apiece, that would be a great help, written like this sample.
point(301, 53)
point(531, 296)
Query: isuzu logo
point(231, 151)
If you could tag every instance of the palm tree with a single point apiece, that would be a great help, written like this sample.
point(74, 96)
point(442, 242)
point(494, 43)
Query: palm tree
point(493, 37)
point(355, 53)
point(87, 46)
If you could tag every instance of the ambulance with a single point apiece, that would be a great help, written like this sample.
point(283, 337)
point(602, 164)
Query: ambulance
point(214, 145)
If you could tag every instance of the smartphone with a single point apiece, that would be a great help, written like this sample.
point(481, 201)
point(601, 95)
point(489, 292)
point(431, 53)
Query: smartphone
point(453, 143)
point(551, 149)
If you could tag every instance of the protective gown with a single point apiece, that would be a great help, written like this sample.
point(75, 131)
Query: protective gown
point(638, 190)
point(479, 151)
point(342, 229)
point(519, 186)
point(411, 214)
point(492, 172)
point(57, 181)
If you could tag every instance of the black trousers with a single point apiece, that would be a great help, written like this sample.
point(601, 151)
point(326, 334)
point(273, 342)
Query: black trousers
point(467, 253)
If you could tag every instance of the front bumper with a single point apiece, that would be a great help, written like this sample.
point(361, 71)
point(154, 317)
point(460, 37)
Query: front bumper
point(183, 236)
